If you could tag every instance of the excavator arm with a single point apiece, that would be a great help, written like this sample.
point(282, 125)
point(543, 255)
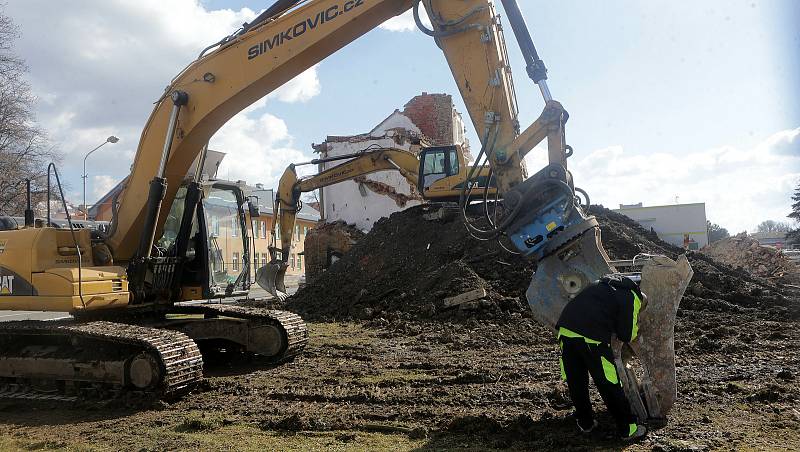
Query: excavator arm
point(289, 38)
point(291, 187)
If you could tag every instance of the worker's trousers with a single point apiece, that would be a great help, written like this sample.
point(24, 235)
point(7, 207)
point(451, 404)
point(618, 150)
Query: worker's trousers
point(580, 359)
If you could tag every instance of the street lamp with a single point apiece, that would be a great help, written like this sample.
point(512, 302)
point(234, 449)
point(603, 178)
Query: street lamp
point(112, 139)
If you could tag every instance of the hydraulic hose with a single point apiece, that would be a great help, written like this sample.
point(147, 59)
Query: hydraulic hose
point(444, 33)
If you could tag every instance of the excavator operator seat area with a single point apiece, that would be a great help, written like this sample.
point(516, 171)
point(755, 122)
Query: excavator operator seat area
point(39, 270)
point(437, 163)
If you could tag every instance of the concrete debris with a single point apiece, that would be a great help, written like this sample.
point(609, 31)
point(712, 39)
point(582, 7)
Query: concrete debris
point(745, 252)
point(465, 297)
point(385, 189)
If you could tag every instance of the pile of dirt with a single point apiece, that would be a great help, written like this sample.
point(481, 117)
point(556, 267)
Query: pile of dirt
point(327, 242)
point(742, 251)
point(406, 267)
point(409, 265)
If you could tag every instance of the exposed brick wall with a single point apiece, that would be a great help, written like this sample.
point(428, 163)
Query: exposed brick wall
point(433, 114)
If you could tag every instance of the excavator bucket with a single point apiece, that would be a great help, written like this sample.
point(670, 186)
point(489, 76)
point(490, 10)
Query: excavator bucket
point(270, 278)
point(562, 275)
point(652, 388)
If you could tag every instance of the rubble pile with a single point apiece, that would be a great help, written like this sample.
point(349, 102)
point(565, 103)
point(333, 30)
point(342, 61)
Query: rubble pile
point(327, 242)
point(745, 252)
point(410, 268)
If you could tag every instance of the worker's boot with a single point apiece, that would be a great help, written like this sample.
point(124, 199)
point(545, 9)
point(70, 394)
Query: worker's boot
point(635, 435)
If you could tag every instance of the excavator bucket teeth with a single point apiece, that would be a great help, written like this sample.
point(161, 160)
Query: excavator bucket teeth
point(664, 282)
point(560, 276)
point(270, 278)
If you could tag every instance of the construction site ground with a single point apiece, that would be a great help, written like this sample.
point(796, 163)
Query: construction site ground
point(367, 386)
point(387, 379)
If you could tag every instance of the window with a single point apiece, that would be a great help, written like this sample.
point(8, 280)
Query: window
point(291, 261)
point(441, 161)
point(452, 168)
point(305, 230)
point(215, 225)
point(263, 229)
point(255, 260)
point(255, 229)
point(234, 227)
point(300, 261)
point(236, 261)
point(277, 232)
point(264, 259)
point(434, 163)
point(297, 230)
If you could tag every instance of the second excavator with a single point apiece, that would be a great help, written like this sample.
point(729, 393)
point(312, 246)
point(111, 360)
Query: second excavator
point(438, 173)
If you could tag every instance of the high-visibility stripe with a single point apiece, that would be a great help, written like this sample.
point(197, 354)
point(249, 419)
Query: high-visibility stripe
point(632, 429)
point(609, 370)
point(568, 333)
point(563, 373)
point(637, 305)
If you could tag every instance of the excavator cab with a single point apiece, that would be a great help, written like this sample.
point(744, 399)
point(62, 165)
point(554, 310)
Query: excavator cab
point(217, 247)
point(443, 172)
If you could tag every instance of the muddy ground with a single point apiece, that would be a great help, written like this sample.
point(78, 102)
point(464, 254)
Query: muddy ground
point(390, 379)
point(376, 386)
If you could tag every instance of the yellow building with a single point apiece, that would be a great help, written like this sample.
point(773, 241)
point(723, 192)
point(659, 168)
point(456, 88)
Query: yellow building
point(224, 226)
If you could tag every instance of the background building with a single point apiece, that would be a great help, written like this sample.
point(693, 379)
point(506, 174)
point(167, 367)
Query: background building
point(776, 239)
point(223, 222)
point(682, 225)
point(426, 120)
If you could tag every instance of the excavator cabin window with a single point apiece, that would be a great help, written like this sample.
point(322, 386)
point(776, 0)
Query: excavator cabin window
point(438, 163)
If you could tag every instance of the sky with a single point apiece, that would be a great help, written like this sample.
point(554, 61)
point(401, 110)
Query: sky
point(669, 101)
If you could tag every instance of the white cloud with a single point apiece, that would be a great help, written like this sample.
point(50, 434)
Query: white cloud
point(101, 185)
point(405, 22)
point(104, 62)
point(740, 185)
point(259, 148)
point(300, 89)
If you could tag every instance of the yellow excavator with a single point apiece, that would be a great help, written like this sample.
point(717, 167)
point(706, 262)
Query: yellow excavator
point(438, 173)
point(131, 335)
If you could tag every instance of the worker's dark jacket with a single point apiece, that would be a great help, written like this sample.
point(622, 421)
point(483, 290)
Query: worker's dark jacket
point(609, 306)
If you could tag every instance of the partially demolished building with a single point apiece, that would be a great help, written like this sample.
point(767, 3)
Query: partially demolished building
point(426, 120)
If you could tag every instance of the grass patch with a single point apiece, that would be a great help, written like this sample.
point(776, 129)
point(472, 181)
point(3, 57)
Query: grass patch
point(339, 334)
point(199, 422)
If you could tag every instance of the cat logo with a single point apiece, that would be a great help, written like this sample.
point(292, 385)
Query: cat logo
point(2, 246)
point(6, 285)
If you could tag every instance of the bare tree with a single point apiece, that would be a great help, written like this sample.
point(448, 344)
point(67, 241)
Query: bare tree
point(774, 226)
point(716, 232)
point(24, 148)
point(794, 235)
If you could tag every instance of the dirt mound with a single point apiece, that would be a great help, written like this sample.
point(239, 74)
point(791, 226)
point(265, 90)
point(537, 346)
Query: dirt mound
point(745, 252)
point(327, 242)
point(407, 267)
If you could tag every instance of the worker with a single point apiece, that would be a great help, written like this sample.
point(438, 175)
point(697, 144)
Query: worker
point(607, 307)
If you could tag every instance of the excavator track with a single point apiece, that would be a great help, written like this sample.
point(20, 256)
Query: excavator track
point(68, 361)
point(292, 326)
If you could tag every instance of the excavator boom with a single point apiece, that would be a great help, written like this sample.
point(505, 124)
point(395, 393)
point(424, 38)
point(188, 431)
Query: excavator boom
point(223, 82)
